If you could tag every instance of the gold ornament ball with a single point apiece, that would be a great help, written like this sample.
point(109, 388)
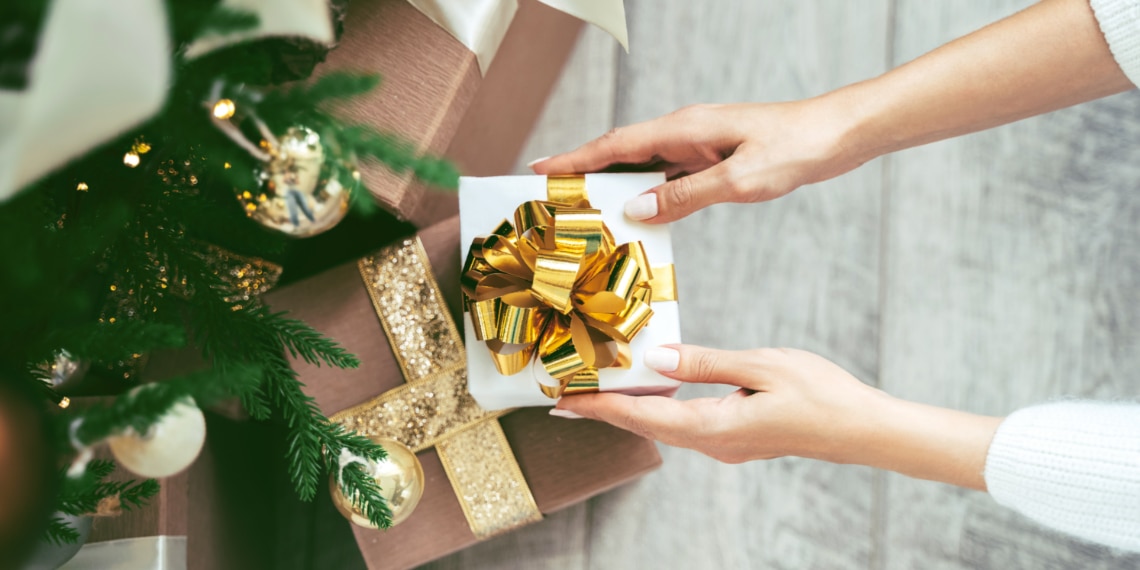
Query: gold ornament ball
point(169, 446)
point(300, 193)
point(401, 480)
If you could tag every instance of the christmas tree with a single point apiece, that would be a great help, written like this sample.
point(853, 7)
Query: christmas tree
point(160, 235)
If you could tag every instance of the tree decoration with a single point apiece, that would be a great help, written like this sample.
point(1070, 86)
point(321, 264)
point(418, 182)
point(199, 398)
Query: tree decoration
point(300, 192)
point(111, 250)
point(399, 476)
point(167, 447)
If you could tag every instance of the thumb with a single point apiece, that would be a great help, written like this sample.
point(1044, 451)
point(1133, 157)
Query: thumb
point(669, 421)
point(689, 363)
point(683, 196)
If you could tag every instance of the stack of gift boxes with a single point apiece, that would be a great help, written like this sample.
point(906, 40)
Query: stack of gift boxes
point(423, 316)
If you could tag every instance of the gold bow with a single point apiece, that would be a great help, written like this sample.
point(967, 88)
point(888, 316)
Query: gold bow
point(556, 284)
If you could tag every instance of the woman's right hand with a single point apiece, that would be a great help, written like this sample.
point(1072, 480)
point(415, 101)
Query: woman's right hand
point(723, 153)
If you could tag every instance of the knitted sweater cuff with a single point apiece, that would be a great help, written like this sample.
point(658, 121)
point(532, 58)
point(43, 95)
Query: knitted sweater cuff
point(1073, 466)
point(1120, 22)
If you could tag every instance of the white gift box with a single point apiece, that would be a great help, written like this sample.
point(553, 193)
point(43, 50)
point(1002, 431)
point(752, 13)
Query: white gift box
point(484, 202)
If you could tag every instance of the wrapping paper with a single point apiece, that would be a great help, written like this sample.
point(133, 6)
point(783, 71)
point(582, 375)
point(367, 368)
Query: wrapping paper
point(563, 463)
point(481, 24)
point(484, 202)
point(144, 553)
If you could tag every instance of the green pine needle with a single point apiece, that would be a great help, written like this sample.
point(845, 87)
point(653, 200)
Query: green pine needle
point(364, 494)
point(81, 495)
point(341, 85)
point(108, 342)
point(59, 532)
point(142, 408)
point(224, 20)
point(310, 345)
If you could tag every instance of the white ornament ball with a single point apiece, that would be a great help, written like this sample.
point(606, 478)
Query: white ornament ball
point(168, 447)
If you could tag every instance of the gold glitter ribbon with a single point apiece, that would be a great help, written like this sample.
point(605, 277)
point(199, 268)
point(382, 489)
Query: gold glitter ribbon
point(434, 409)
point(556, 286)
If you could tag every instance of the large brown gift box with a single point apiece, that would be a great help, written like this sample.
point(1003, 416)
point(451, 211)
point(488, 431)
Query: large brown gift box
point(434, 96)
point(563, 462)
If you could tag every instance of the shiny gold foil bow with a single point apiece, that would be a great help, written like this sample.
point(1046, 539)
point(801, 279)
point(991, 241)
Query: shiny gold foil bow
point(554, 284)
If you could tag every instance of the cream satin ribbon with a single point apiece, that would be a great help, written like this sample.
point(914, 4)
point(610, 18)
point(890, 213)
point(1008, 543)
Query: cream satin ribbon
point(97, 72)
point(481, 24)
point(145, 553)
point(100, 71)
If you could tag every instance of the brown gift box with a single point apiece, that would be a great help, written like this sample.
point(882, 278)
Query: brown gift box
point(564, 462)
point(434, 96)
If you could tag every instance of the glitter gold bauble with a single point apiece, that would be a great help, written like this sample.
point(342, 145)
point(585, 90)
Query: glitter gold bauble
point(401, 480)
point(301, 191)
point(169, 446)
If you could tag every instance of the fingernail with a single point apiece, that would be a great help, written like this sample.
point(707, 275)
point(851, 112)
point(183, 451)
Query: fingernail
point(662, 359)
point(642, 207)
point(536, 161)
point(560, 413)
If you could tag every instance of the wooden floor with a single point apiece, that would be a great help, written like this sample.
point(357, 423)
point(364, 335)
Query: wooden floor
point(985, 273)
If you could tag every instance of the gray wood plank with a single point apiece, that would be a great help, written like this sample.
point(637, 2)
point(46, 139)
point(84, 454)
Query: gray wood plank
point(802, 271)
point(1012, 275)
point(581, 104)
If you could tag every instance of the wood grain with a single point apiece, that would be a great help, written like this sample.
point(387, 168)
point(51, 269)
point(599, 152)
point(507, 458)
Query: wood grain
point(1009, 274)
point(1012, 275)
point(802, 272)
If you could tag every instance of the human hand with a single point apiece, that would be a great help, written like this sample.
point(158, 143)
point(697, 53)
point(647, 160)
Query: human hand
point(789, 402)
point(794, 403)
point(722, 153)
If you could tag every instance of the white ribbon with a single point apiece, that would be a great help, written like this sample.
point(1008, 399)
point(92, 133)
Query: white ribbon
point(146, 553)
point(99, 71)
point(481, 24)
point(103, 68)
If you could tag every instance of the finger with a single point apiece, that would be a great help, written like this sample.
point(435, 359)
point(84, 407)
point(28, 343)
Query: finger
point(636, 144)
point(689, 363)
point(680, 197)
point(669, 421)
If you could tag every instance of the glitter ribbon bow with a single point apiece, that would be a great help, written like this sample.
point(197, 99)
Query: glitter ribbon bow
point(555, 284)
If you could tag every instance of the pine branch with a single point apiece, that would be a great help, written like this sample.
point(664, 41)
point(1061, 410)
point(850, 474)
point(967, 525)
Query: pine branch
point(337, 438)
point(106, 342)
point(336, 86)
point(313, 347)
point(224, 20)
point(135, 495)
point(364, 494)
point(81, 495)
point(59, 532)
point(142, 408)
point(305, 421)
point(398, 155)
point(362, 201)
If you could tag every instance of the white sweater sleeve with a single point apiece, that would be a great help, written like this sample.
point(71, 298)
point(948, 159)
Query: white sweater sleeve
point(1120, 22)
point(1073, 466)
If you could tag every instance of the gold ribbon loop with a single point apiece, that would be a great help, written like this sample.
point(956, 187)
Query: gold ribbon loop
point(555, 284)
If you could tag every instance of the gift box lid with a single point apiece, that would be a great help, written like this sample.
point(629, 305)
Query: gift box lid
point(434, 96)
